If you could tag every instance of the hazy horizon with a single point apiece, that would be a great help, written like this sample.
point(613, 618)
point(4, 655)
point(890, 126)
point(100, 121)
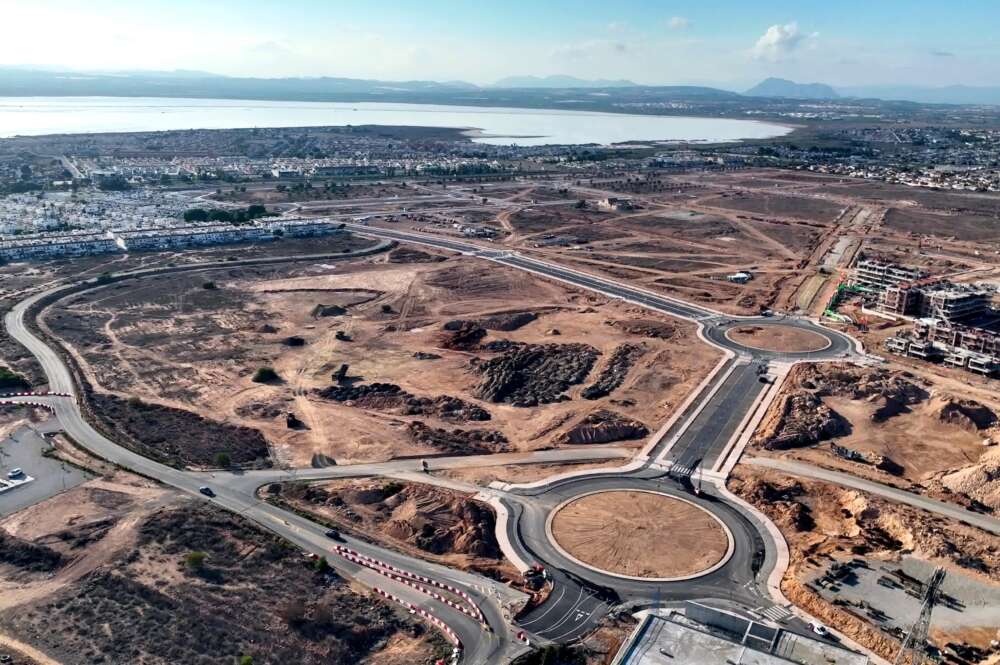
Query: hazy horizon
point(725, 44)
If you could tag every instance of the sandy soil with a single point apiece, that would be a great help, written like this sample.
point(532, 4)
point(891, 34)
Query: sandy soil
point(931, 446)
point(176, 344)
point(640, 534)
point(825, 523)
point(778, 338)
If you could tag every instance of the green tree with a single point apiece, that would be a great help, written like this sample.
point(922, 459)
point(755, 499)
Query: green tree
point(245, 660)
point(265, 375)
point(223, 460)
point(195, 561)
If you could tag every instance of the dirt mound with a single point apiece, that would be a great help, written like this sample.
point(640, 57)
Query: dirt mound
point(458, 441)
point(462, 335)
point(979, 481)
point(535, 374)
point(263, 410)
point(802, 420)
point(29, 557)
point(966, 413)
point(322, 311)
point(614, 373)
point(604, 427)
point(503, 321)
point(432, 519)
point(413, 255)
point(644, 328)
point(785, 510)
point(390, 398)
point(893, 392)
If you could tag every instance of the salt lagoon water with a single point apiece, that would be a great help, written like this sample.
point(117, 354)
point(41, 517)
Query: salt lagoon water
point(33, 116)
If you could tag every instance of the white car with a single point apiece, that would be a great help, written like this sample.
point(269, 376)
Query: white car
point(15, 473)
point(819, 629)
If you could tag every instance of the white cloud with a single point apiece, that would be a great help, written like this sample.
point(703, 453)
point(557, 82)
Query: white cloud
point(780, 41)
point(678, 23)
point(617, 26)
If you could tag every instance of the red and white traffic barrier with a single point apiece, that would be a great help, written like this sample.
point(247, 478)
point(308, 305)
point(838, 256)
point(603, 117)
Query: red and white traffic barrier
point(445, 628)
point(5, 402)
point(408, 578)
point(35, 394)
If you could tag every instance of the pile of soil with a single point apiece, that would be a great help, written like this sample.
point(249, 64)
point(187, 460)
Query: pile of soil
point(535, 374)
point(462, 335)
point(893, 392)
point(801, 419)
point(614, 373)
point(979, 481)
point(411, 255)
point(390, 398)
point(966, 413)
point(263, 410)
point(458, 441)
point(603, 427)
point(26, 556)
point(644, 328)
point(507, 321)
point(432, 519)
point(322, 311)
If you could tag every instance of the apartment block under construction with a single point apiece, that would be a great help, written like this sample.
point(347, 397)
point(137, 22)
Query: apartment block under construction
point(908, 291)
point(968, 347)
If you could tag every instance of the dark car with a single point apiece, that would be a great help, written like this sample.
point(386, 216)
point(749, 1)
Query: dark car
point(333, 534)
point(206, 490)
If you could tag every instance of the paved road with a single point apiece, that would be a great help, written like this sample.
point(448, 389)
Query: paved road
point(480, 647)
point(951, 511)
point(581, 595)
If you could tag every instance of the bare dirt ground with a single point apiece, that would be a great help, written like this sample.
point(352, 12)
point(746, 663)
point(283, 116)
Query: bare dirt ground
point(778, 338)
point(105, 573)
point(434, 347)
point(441, 525)
point(640, 534)
point(827, 526)
point(887, 425)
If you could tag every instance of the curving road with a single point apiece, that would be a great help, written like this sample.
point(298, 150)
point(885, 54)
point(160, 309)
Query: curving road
point(581, 596)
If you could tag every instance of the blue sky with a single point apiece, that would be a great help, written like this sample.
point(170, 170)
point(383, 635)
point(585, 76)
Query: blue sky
point(734, 44)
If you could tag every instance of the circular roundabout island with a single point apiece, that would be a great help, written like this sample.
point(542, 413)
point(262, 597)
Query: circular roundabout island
point(641, 535)
point(777, 338)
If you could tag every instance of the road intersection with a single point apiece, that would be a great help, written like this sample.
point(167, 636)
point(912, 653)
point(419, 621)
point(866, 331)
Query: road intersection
point(697, 443)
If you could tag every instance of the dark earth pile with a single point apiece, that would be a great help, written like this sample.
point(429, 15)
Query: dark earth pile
point(535, 374)
point(614, 373)
point(458, 441)
point(388, 397)
point(603, 427)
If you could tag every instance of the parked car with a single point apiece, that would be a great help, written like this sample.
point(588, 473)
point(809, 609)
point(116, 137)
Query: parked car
point(15, 473)
point(207, 491)
point(819, 629)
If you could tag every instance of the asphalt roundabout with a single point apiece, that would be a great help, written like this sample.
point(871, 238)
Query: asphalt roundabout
point(640, 535)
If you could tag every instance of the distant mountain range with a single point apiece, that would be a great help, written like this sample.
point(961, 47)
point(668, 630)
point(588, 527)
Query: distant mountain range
point(527, 91)
point(560, 82)
point(773, 87)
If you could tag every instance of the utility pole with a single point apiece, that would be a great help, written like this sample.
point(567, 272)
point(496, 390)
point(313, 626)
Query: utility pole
point(915, 641)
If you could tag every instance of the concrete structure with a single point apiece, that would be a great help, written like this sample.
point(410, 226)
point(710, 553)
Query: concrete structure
point(879, 275)
point(954, 302)
point(974, 349)
point(55, 246)
point(705, 635)
point(151, 240)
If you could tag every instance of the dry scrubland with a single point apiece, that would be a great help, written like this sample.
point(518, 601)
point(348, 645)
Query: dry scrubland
point(106, 573)
point(443, 357)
